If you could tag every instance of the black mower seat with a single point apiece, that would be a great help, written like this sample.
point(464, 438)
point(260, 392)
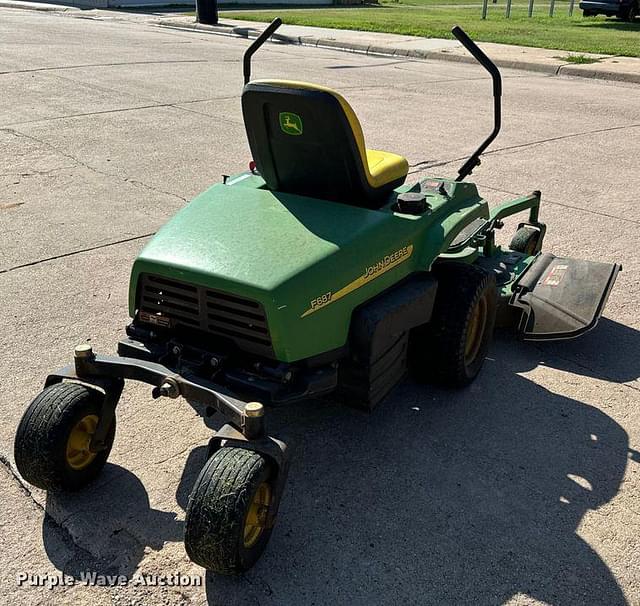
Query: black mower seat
point(306, 140)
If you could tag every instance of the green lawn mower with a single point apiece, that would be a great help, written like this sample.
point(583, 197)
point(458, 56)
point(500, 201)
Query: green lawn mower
point(318, 271)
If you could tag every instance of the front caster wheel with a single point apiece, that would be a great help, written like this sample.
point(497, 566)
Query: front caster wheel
point(52, 442)
point(226, 525)
point(525, 240)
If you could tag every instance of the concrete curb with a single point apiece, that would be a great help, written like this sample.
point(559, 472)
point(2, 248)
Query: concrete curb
point(572, 70)
point(38, 6)
point(563, 69)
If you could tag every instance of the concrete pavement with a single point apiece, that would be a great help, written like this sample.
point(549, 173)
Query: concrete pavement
point(522, 489)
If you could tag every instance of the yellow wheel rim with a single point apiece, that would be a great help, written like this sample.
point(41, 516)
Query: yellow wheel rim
point(475, 330)
point(256, 520)
point(78, 454)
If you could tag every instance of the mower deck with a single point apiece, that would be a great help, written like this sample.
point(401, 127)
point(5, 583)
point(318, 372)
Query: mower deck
point(562, 298)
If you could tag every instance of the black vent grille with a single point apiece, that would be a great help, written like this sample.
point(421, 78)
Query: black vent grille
point(171, 303)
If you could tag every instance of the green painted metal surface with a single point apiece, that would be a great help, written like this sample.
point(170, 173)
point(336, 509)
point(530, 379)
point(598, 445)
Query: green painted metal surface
point(309, 262)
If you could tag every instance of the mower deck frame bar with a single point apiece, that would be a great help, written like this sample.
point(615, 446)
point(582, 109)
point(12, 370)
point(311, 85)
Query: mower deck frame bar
point(484, 231)
point(512, 207)
point(108, 373)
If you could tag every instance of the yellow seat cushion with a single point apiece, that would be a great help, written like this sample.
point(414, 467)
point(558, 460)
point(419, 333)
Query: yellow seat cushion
point(385, 167)
point(380, 167)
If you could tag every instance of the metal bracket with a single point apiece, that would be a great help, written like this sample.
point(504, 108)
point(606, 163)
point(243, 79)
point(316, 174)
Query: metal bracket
point(530, 202)
point(513, 207)
point(112, 392)
point(109, 388)
point(107, 373)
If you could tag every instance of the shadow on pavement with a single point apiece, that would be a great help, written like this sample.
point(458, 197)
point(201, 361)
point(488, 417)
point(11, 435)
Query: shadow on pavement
point(113, 523)
point(470, 496)
point(442, 497)
point(610, 352)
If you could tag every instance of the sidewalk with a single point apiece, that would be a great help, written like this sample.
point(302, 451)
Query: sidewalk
point(622, 69)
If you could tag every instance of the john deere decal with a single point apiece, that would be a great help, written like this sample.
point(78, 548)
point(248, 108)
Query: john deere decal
point(291, 124)
point(370, 273)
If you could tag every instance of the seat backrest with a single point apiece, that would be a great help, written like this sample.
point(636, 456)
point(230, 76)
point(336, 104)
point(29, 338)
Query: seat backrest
point(306, 140)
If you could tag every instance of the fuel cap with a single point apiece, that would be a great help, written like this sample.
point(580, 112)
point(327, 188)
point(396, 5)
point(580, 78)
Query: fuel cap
point(412, 203)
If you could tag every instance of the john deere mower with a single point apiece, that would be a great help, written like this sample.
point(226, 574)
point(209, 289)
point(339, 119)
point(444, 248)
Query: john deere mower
point(318, 271)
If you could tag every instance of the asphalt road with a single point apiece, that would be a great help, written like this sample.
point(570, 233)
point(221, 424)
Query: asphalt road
point(523, 488)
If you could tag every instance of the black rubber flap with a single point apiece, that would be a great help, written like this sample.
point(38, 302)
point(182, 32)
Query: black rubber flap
point(567, 299)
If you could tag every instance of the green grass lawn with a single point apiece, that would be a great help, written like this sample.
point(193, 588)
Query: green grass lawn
point(434, 19)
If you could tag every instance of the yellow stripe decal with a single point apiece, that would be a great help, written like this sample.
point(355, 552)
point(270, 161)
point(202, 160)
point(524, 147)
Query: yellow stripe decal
point(371, 273)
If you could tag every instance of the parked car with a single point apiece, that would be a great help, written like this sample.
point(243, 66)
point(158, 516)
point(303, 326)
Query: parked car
point(623, 9)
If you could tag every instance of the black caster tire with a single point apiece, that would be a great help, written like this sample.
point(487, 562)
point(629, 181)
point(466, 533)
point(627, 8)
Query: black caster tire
point(52, 442)
point(450, 350)
point(525, 240)
point(225, 529)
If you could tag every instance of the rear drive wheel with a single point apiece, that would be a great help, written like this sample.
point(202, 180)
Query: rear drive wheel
point(525, 240)
point(451, 348)
point(52, 442)
point(226, 528)
point(588, 14)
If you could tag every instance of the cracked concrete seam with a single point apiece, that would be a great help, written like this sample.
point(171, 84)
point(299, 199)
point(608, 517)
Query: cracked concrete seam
point(536, 142)
point(547, 199)
point(76, 252)
point(563, 205)
point(38, 173)
point(66, 535)
point(177, 454)
point(24, 488)
point(93, 169)
point(177, 105)
point(153, 103)
point(16, 477)
point(113, 64)
point(420, 167)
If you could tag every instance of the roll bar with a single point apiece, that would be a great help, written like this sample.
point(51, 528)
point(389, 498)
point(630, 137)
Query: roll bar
point(474, 160)
point(257, 43)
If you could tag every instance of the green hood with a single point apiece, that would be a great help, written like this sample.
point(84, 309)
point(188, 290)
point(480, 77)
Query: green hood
point(251, 241)
point(309, 262)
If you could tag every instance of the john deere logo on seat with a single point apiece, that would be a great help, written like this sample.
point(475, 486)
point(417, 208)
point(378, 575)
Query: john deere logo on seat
point(291, 124)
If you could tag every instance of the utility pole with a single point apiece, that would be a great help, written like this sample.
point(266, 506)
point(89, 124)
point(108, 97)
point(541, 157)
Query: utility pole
point(207, 12)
